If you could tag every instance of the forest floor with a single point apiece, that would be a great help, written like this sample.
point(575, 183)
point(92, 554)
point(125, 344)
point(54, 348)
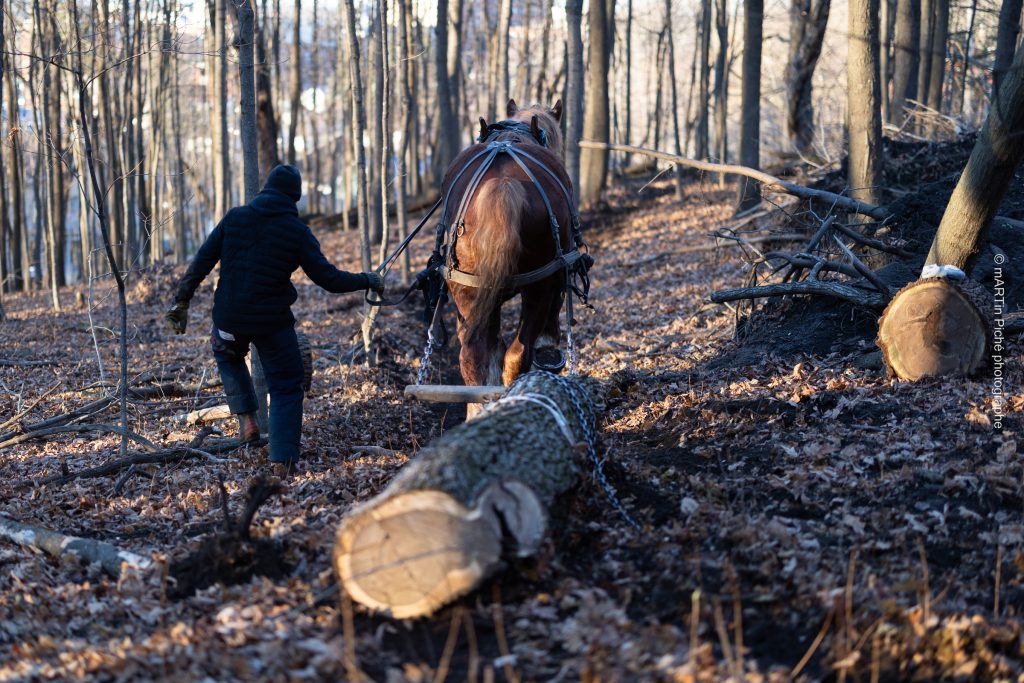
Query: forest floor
point(804, 517)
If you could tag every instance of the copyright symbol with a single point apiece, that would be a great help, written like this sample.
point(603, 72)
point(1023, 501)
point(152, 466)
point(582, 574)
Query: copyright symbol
point(999, 259)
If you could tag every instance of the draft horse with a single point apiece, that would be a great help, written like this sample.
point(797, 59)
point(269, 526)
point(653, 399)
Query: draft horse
point(510, 227)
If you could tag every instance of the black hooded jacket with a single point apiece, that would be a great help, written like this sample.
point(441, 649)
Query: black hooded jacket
point(259, 246)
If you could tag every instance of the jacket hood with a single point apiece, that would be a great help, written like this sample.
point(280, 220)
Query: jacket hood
point(286, 179)
point(272, 202)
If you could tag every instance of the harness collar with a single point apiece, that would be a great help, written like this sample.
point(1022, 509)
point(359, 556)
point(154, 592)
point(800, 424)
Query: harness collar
point(510, 126)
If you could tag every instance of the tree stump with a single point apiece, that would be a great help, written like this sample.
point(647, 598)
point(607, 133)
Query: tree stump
point(439, 529)
point(936, 326)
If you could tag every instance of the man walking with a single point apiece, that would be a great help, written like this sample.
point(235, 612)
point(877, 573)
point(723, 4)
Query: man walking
point(259, 246)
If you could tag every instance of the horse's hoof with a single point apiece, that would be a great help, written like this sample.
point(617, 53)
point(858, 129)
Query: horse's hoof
point(549, 359)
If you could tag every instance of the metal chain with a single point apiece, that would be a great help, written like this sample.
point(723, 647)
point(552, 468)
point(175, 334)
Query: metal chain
point(428, 350)
point(588, 419)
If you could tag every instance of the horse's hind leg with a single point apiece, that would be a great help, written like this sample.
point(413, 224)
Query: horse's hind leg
point(481, 353)
point(537, 303)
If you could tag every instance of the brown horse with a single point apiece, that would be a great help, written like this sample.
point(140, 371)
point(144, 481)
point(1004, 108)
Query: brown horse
point(507, 230)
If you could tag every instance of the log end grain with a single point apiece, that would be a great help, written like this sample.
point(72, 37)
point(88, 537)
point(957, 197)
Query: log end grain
point(936, 327)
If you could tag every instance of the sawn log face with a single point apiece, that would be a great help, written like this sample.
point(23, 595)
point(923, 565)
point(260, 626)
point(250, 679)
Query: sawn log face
point(440, 527)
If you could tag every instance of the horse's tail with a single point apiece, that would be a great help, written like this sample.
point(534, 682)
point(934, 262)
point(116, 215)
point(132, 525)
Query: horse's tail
point(498, 210)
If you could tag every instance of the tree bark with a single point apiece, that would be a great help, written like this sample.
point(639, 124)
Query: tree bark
point(924, 49)
point(808, 20)
point(247, 97)
point(721, 84)
point(905, 58)
point(998, 152)
point(479, 499)
point(358, 121)
point(865, 125)
point(703, 74)
point(56, 544)
point(750, 126)
point(574, 92)
point(294, 101)
point(1006, 41)
point(448, 121)
point(596, 121)
point(937, 71)
point(671, 57)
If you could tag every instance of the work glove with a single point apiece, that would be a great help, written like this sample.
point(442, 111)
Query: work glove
point(375, 282)
point(177, 316)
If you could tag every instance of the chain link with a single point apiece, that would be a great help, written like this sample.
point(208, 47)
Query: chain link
point(588, 419)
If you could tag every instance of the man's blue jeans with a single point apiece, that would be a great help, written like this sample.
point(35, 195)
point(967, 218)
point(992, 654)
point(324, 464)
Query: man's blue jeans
point(282, 365)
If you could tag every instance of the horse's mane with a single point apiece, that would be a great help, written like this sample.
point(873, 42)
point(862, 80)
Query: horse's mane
point(545, 120)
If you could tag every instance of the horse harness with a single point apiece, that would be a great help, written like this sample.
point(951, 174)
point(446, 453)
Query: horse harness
point(574, 262)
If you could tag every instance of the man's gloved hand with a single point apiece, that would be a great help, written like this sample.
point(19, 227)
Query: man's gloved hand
point(177, 317)
point(375, 282)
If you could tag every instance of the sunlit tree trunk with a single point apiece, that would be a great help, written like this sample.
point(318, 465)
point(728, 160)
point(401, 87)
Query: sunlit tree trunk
point(703, 73)
point(721, 85)
point(294, 101)
point(808, 20)
point(358, 122)
point(905, 58)
point(750, 125)
point(865, 126)
point(671, 58)
point(937, 71)
point(596, 121)
point(1006, 41)
point(448, 123)
point(574, 92)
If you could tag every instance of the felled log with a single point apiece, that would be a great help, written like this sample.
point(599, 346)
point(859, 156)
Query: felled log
point(221, 412)
point(57, 544)
point(453, 393)
point(936, 326)
point(484, 488)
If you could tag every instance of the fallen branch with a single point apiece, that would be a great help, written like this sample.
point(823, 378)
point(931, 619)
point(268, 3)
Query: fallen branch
point(10, 362)
point(27, 409)
point(770, 182)
point(79, 428)
point(220, 412)
point(109, 557)
point(90, 408)
point(163, 456)
point(816, 287)
point(700, 248)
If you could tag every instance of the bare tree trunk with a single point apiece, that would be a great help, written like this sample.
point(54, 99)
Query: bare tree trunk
point(294, 105)
point(358, 126)
point(181, 250)
point(247, 97)
point(596, 121)
point(905, 58)
point(750, 126)
point(504, 26)
point(924, 49)
point(542, 94)
point(19, 252)
point(266, 119)
point(405, 123)
point(448, 123)
point(997, 154)
point(808, 20)
point(721, 85)
point(960, 82)
point(865, 126)
point(671, 57)
point(574, 92)
point(1006, 41)
point(222, 182)
point(937, 72)
point(704, 75)
point(885, 25)
point(627, 127)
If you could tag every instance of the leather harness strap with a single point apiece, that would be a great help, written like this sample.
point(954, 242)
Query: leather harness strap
point(562, 262)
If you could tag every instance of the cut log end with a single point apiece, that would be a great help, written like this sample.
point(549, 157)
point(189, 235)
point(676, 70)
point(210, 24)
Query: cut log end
point(416, 551)
point(936, 327)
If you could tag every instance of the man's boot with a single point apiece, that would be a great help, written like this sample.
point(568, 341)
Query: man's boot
point(248, 428)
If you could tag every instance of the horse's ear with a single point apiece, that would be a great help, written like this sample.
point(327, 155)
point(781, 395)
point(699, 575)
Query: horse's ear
point(556, 110)
point(511, 108)
point(483, 128)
